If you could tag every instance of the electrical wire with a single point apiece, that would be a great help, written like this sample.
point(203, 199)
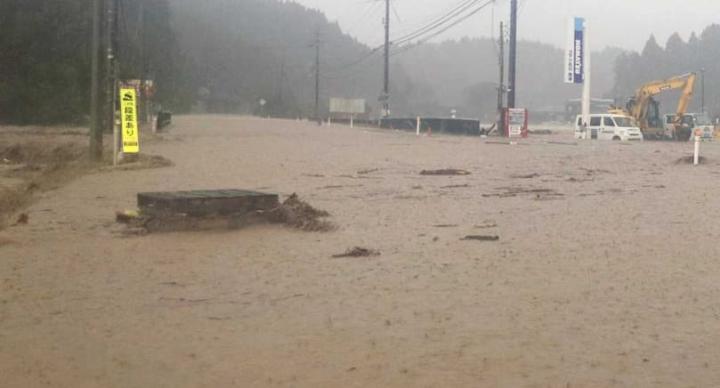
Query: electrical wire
point(433, 29)
point(437, 23)
point(409, 46)
point(346, 66)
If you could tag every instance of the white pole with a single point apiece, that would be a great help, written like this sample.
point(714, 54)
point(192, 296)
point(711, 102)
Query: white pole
point(696, 159)
point(352, 121)
point(116, 141)
point(417, 127)
point(586, 84)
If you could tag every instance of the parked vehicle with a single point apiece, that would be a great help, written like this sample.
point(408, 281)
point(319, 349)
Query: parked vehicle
point(694, 123)
point(646, 110)
point(607, 126)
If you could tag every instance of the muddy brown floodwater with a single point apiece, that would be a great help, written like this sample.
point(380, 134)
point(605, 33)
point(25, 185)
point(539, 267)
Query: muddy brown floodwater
point(606, 271)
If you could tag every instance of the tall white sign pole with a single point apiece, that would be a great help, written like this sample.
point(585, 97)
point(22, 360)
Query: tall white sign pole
point(577, 64)
point(586, 83)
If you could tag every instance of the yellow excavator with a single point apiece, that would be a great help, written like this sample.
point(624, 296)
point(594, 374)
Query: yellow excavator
point(646, 110)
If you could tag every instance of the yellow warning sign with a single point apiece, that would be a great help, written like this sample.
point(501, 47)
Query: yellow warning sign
point(128, 113)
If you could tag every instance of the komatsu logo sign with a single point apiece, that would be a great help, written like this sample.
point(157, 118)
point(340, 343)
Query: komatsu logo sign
point(575, 55)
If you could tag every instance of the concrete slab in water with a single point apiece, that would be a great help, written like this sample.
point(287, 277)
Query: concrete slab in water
point(200, 203)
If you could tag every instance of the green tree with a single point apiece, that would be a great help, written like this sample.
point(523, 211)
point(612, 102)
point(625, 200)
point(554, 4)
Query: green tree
point(45, 58)
point(44, 61)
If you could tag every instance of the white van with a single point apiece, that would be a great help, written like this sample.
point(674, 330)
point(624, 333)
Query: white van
point(692, 124)
point(607, 126)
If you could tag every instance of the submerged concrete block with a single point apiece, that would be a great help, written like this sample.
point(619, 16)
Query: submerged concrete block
point(204, 203)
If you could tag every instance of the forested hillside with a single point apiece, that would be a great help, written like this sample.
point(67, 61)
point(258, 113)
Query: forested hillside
point(242, 58)
point(464, 75)
point(676, 58)
point(226, 55)
point(247, 50)
point(45, 57)
point(44, 62)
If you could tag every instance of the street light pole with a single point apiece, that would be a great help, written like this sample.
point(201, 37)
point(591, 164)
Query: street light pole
point(386, 78)
point(702, 82)
point(513, 55)
point(96, 130)
point(501, 85)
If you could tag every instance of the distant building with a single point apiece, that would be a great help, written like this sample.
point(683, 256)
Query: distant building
point(573, 107)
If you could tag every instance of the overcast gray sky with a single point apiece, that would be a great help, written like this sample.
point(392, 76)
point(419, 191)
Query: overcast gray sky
point(620, 23)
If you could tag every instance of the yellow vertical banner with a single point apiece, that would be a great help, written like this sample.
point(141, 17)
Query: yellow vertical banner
point(128, 112)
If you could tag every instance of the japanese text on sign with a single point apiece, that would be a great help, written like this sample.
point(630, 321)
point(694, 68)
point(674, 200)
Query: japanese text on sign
point(128, 112)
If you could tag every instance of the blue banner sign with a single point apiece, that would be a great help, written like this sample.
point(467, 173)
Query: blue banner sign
point(575, 53)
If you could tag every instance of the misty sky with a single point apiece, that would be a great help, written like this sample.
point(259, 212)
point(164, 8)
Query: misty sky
point(619, 23)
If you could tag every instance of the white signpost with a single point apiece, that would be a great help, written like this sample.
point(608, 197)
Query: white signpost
point(516, 120)
point(577, 63)
point(350, 107)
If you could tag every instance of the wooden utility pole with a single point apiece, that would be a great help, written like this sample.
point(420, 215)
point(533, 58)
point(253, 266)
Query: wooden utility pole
point(143, 98)
point(96, 130)
point(281, 91)
point(501, 84)
point(317, 77)
point(110, 69)
point(386, 84)
point(512, 85)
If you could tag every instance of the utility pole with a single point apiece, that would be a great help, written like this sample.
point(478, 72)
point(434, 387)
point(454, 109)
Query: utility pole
point(386, 85)
point(317, 77)
point(96, 130)
point(513, 55)
point(282, 82)
point(702, 82)
point(110, 8)
point(501, 84)
point(144, 103)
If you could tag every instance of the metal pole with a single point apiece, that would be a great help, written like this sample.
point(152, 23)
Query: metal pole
point(513, 55)
point(702, 73)
point(96, 140)
point(501, 86)
point(109, 67)
point(317, 78)
point(144, 106)
point(587, 79)
point(386, 83)
point(114, 84)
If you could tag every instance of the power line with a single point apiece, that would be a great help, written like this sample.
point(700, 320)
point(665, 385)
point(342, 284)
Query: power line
point(356, 62)
point(438, 23)
point(410, 46)
point(369, 12)
point(429, 21)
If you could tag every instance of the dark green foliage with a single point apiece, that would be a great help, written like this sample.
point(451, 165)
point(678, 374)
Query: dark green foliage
point(248, 50)
point(677, 58)
point(226, 55)
point(45, 58)
point(146, 32)
point(44, 61)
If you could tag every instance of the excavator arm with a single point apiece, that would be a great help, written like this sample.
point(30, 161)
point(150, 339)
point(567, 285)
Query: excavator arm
point(685, 98)
point(643, 97)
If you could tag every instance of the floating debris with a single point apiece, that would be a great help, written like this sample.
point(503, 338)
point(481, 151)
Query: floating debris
point(481, 238)
point(299, 214)
point(357, 252)
point(22, 219)
point(691, 160)
point(446, 171)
